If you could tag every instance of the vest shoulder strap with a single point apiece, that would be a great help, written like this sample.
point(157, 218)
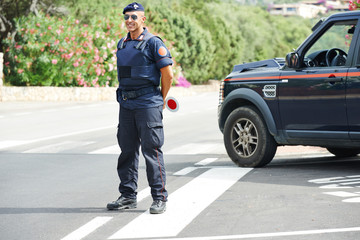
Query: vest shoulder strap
point(121, 44)
point(142, 44)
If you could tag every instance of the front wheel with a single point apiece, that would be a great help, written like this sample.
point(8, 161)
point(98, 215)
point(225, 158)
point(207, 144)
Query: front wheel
point(247, 139)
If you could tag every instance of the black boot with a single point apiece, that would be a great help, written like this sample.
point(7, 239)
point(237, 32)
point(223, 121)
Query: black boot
point(122, 203)
point(157, 207)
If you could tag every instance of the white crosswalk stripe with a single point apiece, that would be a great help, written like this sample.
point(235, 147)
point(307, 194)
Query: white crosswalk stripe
point(181, 210)
point(113, 149)
point(198, 148)
point(58, 147)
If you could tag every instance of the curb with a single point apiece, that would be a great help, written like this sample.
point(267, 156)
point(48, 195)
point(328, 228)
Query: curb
point(55, 94)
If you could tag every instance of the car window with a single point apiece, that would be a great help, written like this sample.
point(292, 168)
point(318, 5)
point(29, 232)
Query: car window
point(332, 47)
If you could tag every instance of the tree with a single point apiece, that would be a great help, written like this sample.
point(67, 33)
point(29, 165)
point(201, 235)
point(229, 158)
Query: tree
point(11, 9)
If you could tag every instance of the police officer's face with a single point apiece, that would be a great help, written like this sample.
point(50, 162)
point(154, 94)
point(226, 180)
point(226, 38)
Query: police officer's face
point(132, 24)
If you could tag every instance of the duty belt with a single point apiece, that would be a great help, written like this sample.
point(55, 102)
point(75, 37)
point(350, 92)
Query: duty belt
point(137, 93)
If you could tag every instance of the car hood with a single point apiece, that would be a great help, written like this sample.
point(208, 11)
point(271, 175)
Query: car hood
point(270, 65)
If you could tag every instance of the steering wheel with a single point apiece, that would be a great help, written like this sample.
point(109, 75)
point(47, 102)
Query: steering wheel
point(335, 57)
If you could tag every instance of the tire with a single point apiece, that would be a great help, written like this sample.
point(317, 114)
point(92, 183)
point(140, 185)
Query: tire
point(247, 139)
point(344, 152)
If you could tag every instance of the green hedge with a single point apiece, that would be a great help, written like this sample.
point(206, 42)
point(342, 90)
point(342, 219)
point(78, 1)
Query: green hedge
point(206, 38)
point(50, 51)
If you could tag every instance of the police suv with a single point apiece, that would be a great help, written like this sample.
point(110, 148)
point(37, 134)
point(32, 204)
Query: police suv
point(312, 97)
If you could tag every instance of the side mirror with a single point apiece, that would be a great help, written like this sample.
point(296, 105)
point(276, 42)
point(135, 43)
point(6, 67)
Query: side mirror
point(292, 60)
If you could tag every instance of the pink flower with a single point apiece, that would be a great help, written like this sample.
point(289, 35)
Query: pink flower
point(68, 56)
point(38, 24)
point(49, 27)
point(111, 67)
point(96, 58)
point(182, 82)
point(54, 61)
point(56, 42)
point(77, 21)
point(76, 64)
point(95, 81)
point(7, 63)
point(18, 47)
point(58, 31)
point(98, 71)
point(20, 70)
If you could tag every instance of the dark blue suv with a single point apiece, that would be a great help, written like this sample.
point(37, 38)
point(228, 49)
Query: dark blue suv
point(312, 97)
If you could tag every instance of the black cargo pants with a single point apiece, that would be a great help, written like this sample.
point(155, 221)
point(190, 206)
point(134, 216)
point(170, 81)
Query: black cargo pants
point(141, 127)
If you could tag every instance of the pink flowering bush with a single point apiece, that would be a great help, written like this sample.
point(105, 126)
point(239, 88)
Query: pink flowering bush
point(50, 51)
point(354, 5)
point(182, 82)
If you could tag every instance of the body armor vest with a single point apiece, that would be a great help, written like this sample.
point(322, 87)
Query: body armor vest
point(135, 68)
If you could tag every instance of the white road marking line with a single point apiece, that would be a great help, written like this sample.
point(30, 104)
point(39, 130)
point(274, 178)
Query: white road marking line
point(50, 110)
point(206, 161)
point(87, 228)
point(350, 183)
point(352, 200)
point(194, 148)
point(107, 150)
point(342, 194)
point(185, 171)
point(143, 194)
point(11, 143)
point(58, 147)
point(333, 186)
point(73, 108)
point(5, 144)
point(22, 114)
point(335, 179)
point(181, 209)
point(267, 235)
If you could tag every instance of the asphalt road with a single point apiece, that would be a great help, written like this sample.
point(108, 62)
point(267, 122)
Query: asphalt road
point(58, 172)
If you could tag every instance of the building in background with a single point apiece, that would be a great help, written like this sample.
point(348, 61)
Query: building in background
point(308, 9)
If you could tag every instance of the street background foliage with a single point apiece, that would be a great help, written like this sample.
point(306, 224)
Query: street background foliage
point(207, 38)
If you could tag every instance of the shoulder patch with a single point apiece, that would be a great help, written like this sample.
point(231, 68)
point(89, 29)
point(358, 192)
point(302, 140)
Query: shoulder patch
point(162, 51)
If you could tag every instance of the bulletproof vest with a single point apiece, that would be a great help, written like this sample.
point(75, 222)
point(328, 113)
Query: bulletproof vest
point(135, 68)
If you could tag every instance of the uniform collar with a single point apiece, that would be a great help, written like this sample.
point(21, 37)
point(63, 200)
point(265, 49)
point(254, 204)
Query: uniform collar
point(140, 38)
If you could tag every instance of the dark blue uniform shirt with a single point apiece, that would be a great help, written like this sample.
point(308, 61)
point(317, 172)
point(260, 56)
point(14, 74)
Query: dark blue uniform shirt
point(142, 69)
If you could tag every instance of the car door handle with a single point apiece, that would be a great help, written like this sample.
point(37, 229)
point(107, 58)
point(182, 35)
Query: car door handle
point(333, 79)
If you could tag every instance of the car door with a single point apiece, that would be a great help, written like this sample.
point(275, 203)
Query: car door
point(312, 99)
point(353, 94)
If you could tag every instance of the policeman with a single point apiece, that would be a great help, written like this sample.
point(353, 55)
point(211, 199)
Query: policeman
point(143, 61)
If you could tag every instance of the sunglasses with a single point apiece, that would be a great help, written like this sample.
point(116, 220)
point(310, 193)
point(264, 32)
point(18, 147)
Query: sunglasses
point(134, 17)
